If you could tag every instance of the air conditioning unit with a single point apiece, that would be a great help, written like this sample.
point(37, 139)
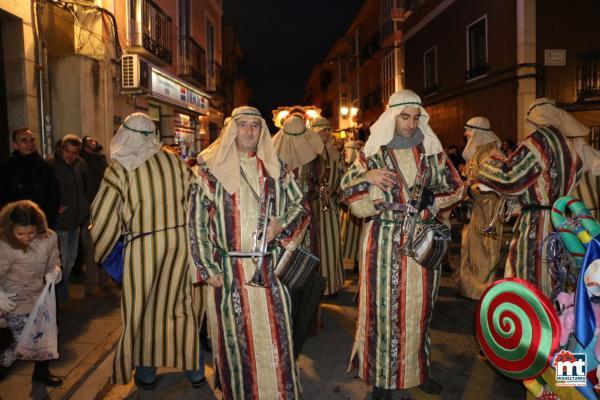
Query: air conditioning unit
point(135, 74)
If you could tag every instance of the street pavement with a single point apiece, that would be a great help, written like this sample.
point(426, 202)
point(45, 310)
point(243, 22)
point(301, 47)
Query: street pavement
point(455, 360)
point(88, 334)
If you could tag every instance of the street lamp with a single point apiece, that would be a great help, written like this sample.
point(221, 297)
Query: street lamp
point(349, 113)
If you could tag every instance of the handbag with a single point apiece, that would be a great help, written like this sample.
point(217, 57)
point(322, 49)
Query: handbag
point(38, 340)
point(295, 267)
point(113, 263)
point(430, 244)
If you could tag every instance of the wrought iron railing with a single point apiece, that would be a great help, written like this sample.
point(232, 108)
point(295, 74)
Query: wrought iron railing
point(192, 60)
point(154, 31)
point(214, 81)
point(588, 77)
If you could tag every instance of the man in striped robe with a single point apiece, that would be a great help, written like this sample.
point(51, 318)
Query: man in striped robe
point(144, 197)
point(479, 253)
point(545, 166)
point(396, 294)
point(300, 149)
point(250, 325)
point(331, 171)
point(350, 226)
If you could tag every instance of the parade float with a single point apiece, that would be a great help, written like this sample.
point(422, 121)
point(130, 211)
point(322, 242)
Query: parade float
point(551, 344)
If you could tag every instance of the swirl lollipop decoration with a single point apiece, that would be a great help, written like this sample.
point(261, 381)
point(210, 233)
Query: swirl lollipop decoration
point(517, 328)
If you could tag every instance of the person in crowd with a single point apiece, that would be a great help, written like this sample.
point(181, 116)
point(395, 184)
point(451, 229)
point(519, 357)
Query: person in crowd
point(240, 178)
point(72, 175)
point(544, 167)
point(144, 197)
point(95, 277)
point(508, 146)
point(396, 295)
point(300, 149)
point(479, 252)
point(349, 224)
point(27, 176)
point(28, 258)
point(330, 174)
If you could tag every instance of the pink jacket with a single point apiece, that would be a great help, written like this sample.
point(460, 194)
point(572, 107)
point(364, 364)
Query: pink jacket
point(23, 272)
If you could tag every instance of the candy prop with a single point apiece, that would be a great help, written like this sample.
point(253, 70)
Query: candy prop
point(577, 231)
point(517, 328)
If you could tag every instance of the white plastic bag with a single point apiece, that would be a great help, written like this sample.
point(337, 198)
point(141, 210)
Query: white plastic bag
point(38, 340)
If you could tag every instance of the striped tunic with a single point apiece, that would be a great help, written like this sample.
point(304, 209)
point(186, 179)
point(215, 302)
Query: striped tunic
point(396, 295)
point(330, 251)
point(350, 228)
point(250, 326)
point(542, 169)
point(479, 253)
point(159, 323)
point(307, 177)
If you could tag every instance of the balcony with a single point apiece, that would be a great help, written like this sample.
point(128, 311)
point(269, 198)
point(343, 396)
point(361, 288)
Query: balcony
point(214, 82)
point(152, 33)
point(192, 61)
point(588, 78)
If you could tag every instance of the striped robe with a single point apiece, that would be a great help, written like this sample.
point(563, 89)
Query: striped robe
point(307, 177)
point(479, 253)
point(332, 266)
point(250, 326)
point(396, 295)
point(159, 323)
point(542, 169)
point(350, 227)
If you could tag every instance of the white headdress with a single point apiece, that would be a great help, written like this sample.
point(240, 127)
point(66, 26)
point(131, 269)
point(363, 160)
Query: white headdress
point(382, 131)
point(295, 144)
point(222, 156)
point(135, 141)
point(482, 134)
point(543, 111)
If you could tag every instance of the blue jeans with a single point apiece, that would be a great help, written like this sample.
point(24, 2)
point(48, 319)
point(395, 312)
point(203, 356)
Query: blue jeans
point(148, 374)
point(68, 243)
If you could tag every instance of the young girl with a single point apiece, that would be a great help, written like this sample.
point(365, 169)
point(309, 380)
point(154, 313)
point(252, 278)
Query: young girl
point(28, 258)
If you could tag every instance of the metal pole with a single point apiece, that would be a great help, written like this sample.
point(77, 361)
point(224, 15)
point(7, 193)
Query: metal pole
point(37, 8)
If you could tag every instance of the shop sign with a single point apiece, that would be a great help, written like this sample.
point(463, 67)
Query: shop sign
point(174, 91)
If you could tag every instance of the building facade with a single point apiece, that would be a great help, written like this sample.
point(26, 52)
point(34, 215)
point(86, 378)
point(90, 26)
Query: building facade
point(472, 57)
point(363, 68)
point(83, 66)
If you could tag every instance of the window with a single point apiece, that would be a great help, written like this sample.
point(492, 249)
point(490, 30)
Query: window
point(588, 77)
point(343, 100)
point(430, 70)
point(343, 60)
point(477, 49)
point(388, 76)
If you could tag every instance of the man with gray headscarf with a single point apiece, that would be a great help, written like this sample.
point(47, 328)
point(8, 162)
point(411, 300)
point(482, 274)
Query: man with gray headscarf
point(548, 164)
point(144, 197)
point(397, 294)
point(479, 253)
point(245, 210)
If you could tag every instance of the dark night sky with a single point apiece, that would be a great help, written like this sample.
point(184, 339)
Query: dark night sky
point(283, 40)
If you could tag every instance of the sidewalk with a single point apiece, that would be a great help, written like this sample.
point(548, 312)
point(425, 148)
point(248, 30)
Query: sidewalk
point(87, 335)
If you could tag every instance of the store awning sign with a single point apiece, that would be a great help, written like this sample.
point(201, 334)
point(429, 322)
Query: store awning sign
point(175, 91)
